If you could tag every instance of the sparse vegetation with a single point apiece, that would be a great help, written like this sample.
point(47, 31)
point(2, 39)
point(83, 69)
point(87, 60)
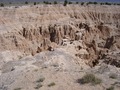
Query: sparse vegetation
point(51, 84)
point(77, 2)
point(101, 3)
point(55, 2)
point(38, 86)
point(40, 80)
point(95, 3)
point(70, 2)
point(26, 2)
point(81, 68)
point(111, 3)
point(19, 57)
point(118, 4)
point(107, 3)
point(89, 78)
point(82, 3)
point(10, 3)
point(1, 5)
point(36, 70)
point(35, 3)
point(17, 88)
point(110, 88)
point(65, 3)
point(92, 3)
point(113, 76)
point(46, 2)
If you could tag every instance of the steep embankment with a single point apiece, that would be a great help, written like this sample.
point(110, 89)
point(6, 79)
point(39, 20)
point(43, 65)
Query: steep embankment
point(64, 42)
point(32, 29)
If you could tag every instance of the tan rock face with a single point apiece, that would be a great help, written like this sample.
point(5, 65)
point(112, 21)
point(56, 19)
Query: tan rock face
point(32, 29)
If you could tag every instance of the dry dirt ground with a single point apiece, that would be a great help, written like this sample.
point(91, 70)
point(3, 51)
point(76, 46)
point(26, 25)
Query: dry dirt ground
point(57, 67)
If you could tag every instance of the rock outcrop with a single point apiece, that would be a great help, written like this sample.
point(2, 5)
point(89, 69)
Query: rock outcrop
point(57, 44)
point(32, 29)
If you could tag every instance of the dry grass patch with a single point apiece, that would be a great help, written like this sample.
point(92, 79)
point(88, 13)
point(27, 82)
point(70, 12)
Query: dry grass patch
point(17, 88)
point(110, 88)
point(40, 80)
point(51, 84)
point(89, 78)
point(38, 86)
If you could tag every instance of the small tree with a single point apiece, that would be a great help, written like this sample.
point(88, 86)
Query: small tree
point(90, 3)
point(70, 2)
point(35, 3)
point(82, 3)
point(77, 2)
point(87, 3)
point(2, 5)
point(118, 4)
point(44, 2)
point(110, 88)
point(65, 3)
point(55, 2)
point(26, 2)
point(101, 3)
point(49, 3)
point(107, 3)
point(89, 78)
point(94, 2)
point(10, 3)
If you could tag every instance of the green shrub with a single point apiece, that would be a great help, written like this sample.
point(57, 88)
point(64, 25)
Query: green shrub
point(1, 5)
point(65, 3)
point(95, 3)
point(90, 2)
point(101, 3)
point(77, 2)
point(17, 89)
point(35, 70)
point(10, 3)
point(82, 3)
point(70, 2)
point(107, 3)
point(55, 2)
point(19, 57)
point(38, 86)
point(46, 2)
point(51, 84)
point(35, 3)
point(26, 2)
point(90, 78)
point(118, 4)
point(110, 88)
point(40, 80)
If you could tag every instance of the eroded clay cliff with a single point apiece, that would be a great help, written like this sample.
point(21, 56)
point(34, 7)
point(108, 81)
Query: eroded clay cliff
point(32, 29)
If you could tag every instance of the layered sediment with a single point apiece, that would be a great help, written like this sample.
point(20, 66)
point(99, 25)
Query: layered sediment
point(33, 29)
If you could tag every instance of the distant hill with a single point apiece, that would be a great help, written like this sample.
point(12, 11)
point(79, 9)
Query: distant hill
point(60, 0)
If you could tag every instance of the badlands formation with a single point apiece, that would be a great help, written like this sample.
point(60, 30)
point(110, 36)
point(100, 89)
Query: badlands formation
point(51, 47)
